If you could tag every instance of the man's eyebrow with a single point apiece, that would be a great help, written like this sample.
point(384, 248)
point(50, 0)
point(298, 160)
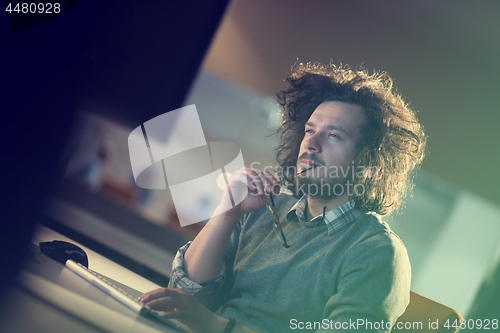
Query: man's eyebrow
point(330, 127)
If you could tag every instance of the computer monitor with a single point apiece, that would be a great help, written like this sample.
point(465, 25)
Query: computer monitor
point(125, 63)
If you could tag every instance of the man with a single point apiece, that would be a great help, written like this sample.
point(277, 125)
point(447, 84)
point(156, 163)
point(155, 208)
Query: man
point(323, 260)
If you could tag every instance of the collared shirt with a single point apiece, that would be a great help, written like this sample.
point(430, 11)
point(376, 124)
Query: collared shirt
point(334, 219)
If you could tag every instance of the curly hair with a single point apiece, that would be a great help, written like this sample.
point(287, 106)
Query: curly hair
point(392, 141)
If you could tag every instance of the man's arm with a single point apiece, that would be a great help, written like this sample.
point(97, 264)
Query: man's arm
point(203, 259)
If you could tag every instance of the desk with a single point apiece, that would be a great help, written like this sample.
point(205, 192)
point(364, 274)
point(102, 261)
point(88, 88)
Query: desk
point(51, 298)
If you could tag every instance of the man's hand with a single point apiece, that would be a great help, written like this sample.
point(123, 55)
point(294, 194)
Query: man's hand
point(178, 304)
point(258, 183)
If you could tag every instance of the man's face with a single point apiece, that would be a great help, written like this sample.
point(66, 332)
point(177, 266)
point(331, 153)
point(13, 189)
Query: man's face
point(327, 152)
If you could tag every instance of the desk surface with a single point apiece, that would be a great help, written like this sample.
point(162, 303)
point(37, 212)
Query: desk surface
point(51, 298)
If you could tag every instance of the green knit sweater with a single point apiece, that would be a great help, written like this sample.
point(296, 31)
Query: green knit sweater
point(353, 275)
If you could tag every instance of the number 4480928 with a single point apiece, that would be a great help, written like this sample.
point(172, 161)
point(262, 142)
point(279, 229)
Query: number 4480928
point(485, 324)
point(45, 8)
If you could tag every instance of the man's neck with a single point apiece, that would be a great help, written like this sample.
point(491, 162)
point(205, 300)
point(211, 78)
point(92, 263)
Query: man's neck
point(315, 205)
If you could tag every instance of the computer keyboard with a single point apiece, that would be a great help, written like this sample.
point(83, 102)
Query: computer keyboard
point(120, 295)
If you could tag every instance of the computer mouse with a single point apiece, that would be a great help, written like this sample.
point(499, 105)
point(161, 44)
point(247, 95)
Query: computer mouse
point(62, 251)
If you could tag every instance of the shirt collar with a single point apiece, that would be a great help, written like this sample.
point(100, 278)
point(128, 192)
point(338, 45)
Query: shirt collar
point(335, 219)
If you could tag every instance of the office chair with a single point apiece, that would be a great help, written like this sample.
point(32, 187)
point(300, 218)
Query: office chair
point(424, 310)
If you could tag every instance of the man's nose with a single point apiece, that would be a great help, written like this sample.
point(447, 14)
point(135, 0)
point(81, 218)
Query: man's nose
point(313, 143)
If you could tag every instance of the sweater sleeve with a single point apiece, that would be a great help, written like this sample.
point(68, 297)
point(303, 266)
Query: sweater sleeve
point(213, 293)
point(373, 289)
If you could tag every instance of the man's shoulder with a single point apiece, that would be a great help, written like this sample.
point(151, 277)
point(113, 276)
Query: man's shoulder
point(375, 225)
point(372, 231)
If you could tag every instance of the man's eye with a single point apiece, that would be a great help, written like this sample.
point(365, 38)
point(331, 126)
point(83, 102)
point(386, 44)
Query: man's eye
point(309, 131)
point(335, 136)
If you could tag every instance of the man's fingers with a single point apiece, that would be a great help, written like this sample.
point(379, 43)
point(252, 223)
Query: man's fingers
point(273, 185)
point(271, 178)
point(158, 293)
point(146, 297)
point(259, 183)
point(256, 185)
point(167, 299)
point(166, 303)
point(175, 303)
point(266, 183)
point(238, 181)
point(251, 180)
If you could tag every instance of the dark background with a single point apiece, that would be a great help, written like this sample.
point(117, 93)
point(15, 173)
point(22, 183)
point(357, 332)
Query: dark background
point(135, 59)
